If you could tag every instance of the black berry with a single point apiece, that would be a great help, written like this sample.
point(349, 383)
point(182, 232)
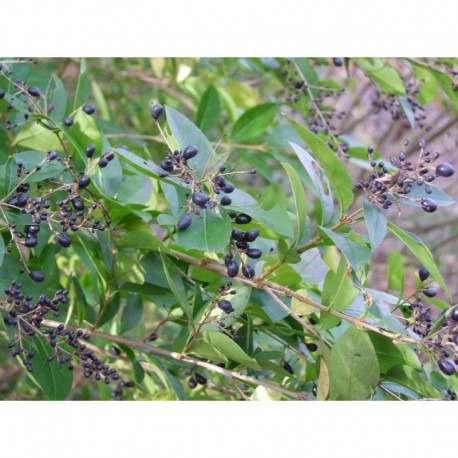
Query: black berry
point(90, 150)
point(288, 367)
point(2, 93)
point(34, 91)
point(311, 347)
point(225, 200)
point(184, 222)
point(254, 253)
point(454, 314)
point(192, 383)
point(51, 155)
point(242, 219)
point(200, 199)
point(444, 170)
point(447, 367)
point(251, 235)
point(200, 379)
point(225, 306)
point(103, 162)
point(237, 234)
point(89, 109)
point(228, 188)
point(68, 121)
point(37, 276)
point(64, 240)
point(167, 165)
point(423, 273)
point(248, 271)
point(156, 111)
point(337, 61)
point(232, 269)
point(430, 292)
point(84, 182)
point(429, 205)
point(190, 152)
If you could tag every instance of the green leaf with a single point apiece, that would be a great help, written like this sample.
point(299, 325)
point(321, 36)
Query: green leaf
point(382, 74)
point(34, 136)
point(2, 249)
point(428, 84)
point(390, 355)
point(136, 189)
point(441, 198)
point(338, 289)
point(357, 254)
point(321, 187)
point(209, 110)
point(253, 122)
point(421, 252)
point(407, 376)
point(376, 224)
point(299, 201)
point(85, 131)
point(395, 271)
point(10, 178)
point(82, 87)
point(54, 379)
point(57, 98)
point(31, 159)
point(335, 171)
point(353, 366)
point(224, 344)
point(186, 133)
point(276, 219)
point(176, 286)
point(132, 313)
point(211, 232)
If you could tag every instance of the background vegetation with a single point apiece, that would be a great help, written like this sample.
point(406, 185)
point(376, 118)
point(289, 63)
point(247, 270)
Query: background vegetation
point(330, 312)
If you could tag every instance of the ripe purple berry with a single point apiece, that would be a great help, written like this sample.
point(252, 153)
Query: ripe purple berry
point(64, 240)
point(251, 235)
point(243, 219)
point(37, 276)
point(428, 205)
point(34, 91)
point(89, 109)
point(444, 170)
point(447, 367)
point(430, 292)
point(232, 269)
point(184, 222)
point(225, 306)
point(200, 199)
point(225, 201)
point(254, 253)
point(156, 111)
point(454, 314)
point(84, 182)
point(248, 271)
point(423, 273)
point(190, 151)
point(90, 150)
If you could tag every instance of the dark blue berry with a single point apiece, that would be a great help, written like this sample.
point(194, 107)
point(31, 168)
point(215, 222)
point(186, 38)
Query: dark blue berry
point(190, 152)
point(34, 91)
point(90, 150)
point(89, 109)
point(156, 111)
point(37, 276)
point(444, 170)
point(184, 222)
point(447, 367)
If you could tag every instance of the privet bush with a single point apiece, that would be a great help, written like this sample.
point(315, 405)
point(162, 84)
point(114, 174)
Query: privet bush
point(208, 229)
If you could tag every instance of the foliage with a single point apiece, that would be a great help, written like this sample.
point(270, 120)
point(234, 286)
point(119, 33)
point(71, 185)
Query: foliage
point(209, 229)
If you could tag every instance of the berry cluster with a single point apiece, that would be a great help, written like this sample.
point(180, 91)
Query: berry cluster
point(199, 200)
point(25, 316)
point(441, 341)
point(63, 207)
point(386, 186)
point(391, 103)
point(196, 379)
point(239, 246)
point(321, 117)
